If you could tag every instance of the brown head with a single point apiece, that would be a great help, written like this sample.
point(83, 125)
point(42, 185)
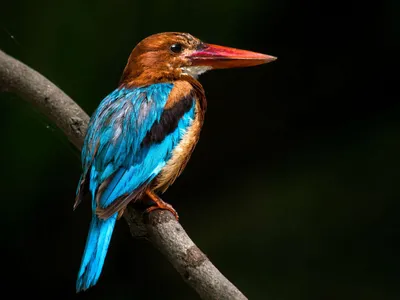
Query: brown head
point(170, 56)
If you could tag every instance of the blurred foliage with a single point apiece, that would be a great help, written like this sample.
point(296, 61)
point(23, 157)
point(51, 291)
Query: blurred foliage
point(293, 189)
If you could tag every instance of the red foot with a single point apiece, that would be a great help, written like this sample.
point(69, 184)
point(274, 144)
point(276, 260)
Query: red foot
point(160, 204)
point(166, 207)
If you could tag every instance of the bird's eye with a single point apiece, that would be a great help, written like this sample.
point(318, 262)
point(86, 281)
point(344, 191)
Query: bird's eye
point(176, 48)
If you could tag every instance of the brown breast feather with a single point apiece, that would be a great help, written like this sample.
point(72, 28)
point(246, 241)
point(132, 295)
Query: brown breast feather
point(182, 152)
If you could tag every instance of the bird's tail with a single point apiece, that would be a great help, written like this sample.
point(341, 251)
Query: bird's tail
point(97, 242)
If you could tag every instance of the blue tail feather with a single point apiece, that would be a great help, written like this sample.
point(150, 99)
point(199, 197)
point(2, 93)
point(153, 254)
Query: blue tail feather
point(97, 242)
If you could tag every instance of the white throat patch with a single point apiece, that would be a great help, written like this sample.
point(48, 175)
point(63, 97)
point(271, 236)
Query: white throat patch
point(195, 71)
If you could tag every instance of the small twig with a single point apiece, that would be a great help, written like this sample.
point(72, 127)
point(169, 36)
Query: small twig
point(160, 227)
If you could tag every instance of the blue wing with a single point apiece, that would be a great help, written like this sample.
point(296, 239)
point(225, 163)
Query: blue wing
point(129, 140)
point(116, 162)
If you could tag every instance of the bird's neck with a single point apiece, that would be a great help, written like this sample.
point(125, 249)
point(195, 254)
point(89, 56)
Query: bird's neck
point(140, 78)
point(198, 91)
point(147, 70)
point(137, 75)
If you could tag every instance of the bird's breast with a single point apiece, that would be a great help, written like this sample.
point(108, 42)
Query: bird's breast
point(181, 153)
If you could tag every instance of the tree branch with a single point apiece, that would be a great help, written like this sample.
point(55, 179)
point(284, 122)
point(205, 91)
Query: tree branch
point(160, 227)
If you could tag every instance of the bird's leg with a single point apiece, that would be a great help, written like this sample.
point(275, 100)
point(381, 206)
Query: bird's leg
point(159, 204)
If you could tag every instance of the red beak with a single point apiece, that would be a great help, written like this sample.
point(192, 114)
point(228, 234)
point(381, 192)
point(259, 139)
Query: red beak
point(219, 57)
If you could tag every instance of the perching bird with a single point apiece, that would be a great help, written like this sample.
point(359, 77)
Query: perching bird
point(141, 136)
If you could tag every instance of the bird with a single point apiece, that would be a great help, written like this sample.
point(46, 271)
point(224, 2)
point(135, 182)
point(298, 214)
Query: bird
point(142, 134)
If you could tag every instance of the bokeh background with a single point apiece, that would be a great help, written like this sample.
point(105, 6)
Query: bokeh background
point(293, 190)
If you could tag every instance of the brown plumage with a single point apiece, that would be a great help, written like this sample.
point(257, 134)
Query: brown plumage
point(152, 60)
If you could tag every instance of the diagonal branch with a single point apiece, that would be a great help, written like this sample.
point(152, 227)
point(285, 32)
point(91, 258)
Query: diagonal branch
point(160, 227)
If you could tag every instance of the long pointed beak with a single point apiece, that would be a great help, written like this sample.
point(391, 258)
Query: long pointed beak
point(219, 57)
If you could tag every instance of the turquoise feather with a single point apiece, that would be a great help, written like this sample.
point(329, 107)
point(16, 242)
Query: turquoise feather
point(114, 151)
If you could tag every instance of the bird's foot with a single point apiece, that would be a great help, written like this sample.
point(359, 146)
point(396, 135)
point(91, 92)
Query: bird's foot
point(163, 206)
point(160, 204)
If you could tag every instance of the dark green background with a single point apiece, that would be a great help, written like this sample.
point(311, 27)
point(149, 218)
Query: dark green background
point(293, 190)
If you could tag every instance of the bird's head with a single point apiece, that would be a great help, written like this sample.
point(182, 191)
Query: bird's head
point(171, 55)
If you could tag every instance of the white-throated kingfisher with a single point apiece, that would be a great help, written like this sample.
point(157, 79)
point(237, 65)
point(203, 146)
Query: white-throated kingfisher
point(141, 136)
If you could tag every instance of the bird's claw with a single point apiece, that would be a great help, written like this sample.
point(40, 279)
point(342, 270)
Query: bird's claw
point(164, 206)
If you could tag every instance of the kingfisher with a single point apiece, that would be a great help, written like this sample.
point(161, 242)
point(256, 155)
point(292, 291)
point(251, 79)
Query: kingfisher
point(142, 134)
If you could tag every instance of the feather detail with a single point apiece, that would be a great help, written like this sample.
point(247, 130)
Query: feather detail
point(158, 150)
point(120, 203)
point(168, 121)
point(113, 143)
point(81, 191)
point(97, 243)
point(181, 90)
point(130, 139)
point(181, 154)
